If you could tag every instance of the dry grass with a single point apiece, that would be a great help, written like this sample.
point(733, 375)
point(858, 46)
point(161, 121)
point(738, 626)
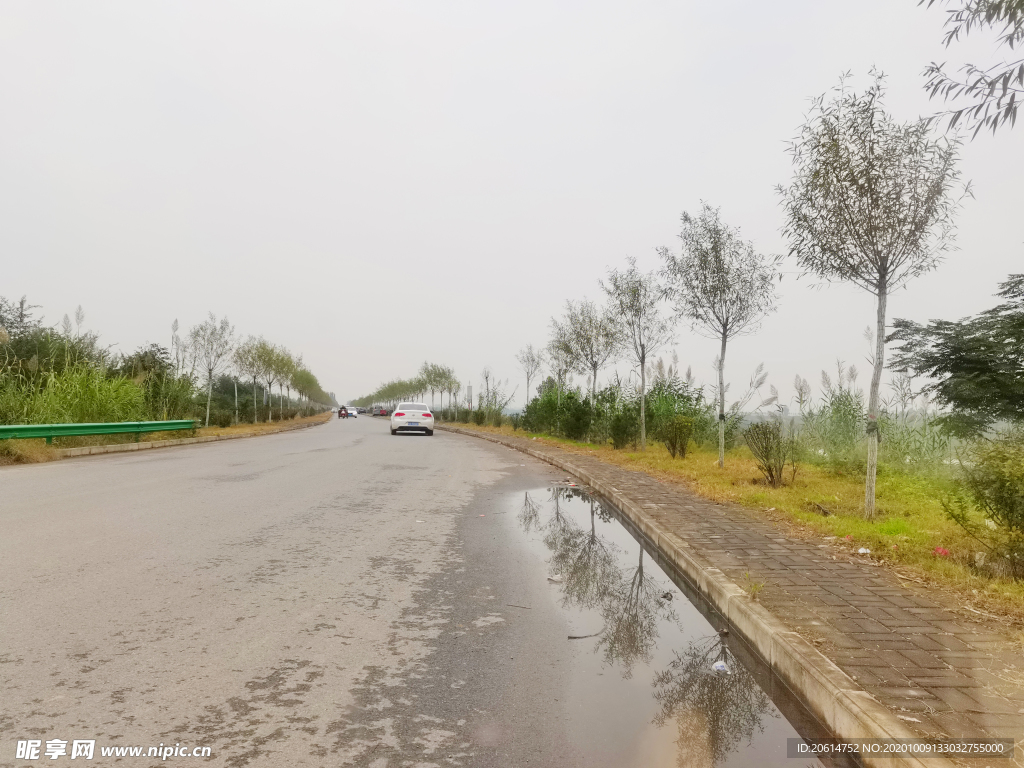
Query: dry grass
point(34, 451)
point(909, 525)
point(25, 452)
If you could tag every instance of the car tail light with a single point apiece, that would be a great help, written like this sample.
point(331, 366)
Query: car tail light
point(399, 414)
point(427, 416)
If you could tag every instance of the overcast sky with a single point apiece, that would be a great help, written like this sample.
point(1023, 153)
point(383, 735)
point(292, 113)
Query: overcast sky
point(380, 183)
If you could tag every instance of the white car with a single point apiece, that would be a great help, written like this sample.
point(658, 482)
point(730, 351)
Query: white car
point(412, 417)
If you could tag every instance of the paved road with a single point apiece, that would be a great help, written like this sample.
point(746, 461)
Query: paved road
point(332, 596)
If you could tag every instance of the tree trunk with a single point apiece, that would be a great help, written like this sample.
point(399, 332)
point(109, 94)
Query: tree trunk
point(270, 401)
point(236, 402)
point(209, 396)
point(872, 428)
point(643, 401)
point(255, 406)
point(593, 390)
point(721, 402)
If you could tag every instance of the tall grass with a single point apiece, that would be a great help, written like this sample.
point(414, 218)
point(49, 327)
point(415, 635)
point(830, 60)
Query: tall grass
point(832, 432)
point(79, 393)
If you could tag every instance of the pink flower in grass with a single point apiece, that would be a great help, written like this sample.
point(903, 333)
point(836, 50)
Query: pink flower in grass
point(941, 552)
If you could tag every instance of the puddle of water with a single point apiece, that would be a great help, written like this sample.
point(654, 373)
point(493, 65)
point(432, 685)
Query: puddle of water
point(653, 683)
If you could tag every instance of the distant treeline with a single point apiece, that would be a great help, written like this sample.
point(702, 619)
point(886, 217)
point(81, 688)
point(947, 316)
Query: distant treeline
point(63, 374)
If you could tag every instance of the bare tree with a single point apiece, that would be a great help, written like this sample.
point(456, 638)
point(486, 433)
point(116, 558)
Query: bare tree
point(560, 361)
point(721, 285)
point(871, 203)
point(184, 355)
point(635, 299)
point(484, 394)
point(530, 363)
point(211, 342)
point(592, 339)
point(993, 93)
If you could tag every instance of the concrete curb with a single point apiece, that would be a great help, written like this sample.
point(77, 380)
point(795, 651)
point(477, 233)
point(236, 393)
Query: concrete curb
point(97, 450)
point(832, 696)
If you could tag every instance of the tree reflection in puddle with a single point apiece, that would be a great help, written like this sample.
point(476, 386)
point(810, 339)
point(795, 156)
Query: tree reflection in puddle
point(630, 601)
point(715, 712)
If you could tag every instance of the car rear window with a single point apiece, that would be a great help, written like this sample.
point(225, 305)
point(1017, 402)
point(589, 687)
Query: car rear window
point(412, 407)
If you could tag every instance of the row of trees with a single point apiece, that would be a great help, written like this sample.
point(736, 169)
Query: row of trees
point(871, 202)
point(213, 348)
point(432, 378)
point(64, 374)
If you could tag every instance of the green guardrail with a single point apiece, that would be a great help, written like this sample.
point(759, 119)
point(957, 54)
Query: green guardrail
point(50, 431)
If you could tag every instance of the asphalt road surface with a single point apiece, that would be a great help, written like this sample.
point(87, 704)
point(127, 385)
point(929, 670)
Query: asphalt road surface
point(330, 596)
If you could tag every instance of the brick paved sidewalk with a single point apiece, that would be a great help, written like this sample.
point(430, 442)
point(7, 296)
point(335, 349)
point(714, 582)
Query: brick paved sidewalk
point(943, 675)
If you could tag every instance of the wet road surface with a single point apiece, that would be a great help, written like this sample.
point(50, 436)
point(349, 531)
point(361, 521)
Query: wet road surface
point(332, 596)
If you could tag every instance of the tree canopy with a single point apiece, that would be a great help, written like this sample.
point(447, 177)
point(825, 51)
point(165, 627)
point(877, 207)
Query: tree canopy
point(975, 365)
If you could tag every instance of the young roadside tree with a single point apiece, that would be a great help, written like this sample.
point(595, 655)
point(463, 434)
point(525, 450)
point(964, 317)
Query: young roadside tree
point(432, 377)
point(284, 366)
point(211, 342)
point(559, 360)
point(530, 363)
point(449, 383)
point(634, 300)
point(591, 337)
point(295, 368)
point(266, 354)
point(247, 362)
point(453, 392)
point(871, 203)
point(721, 285)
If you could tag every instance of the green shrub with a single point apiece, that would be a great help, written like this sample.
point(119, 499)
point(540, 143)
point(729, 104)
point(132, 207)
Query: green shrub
point(772, 449)
point(479, 416)
point(625, 428)
point(989, 504)
point(515, 419)
point(221, 419)
point(541, 414)
point(575, 415)
point(676, 433)
point(497, 418)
